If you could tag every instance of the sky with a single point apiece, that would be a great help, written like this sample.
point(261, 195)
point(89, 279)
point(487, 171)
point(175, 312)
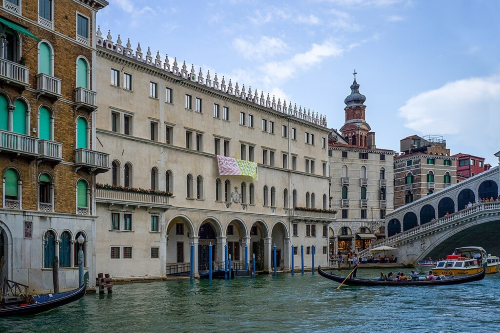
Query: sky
point(426, 67)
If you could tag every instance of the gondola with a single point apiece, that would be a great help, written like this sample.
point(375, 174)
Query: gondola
point(30, 305)
point(372, 282)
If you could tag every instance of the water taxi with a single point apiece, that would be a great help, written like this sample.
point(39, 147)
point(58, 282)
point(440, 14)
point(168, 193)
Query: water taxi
point(493, 264)
point(463, 261)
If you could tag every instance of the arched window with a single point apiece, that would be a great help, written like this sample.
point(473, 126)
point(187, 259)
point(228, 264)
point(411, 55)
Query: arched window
point(115, 173)
point(363, 193)
point(127, 175)
point(344, 171)
point(266, 202)
point(353, 140)
point(227, 190)
point(45, 64)
point(285, 198)
point(65, 250)
point(294, 198)
point(9, 44)
point(409, 178)
point(20, 116)
point(4, 112)
point(344, 192)
point(313, 200)
point(169, 181)
point(77, 248)
point(273, 197)
point(218, 190)
point(325, 202)
point(382, 173)
point(189, 186)
point(45, 191)
point(430, 177)
point(11, 189)
point(82, 194)
point(308, 200)
point(154, 178)
point(243, 193)
point(447, 178)
point(81, 133)
point(363, 172)
point(252, 194)
point(44, 124)
point(49, 249)
point(199, 187)
point(82, 74)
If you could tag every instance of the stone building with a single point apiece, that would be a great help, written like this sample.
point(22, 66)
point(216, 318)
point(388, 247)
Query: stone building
point(197, 160)
point(361, 185)
point(469, 165)
point(47, 157)
point(423, 167)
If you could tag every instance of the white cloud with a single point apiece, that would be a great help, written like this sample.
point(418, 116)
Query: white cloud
point(265, 47)
point(311, 19)
point(465, 110)
point(366, 3)
point(395, 18)
point(128, 7)
point(342, 21)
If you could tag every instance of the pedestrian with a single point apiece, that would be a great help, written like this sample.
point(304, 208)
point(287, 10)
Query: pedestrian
point(355, 264)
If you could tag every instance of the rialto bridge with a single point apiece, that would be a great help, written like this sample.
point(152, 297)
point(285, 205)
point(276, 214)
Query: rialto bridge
point(464, 214)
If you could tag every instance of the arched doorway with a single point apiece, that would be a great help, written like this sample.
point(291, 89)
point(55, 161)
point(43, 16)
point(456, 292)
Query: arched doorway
point(179, 231)
point(257, 234)
point(278, 236)
point(3, 255)
point(234, 237)
point(393, 227)
point(427, 214)
point(345, 240)
point(410, 221)
point(446, 206)
point(364, 238)
point(207, 235)
point(465, 197)
point(488, 189)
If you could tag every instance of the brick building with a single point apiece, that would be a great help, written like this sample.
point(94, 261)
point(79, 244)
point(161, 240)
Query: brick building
point(47, 159)
point(469, 166)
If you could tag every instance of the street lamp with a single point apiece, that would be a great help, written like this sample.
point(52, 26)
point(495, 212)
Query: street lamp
point(80, 241)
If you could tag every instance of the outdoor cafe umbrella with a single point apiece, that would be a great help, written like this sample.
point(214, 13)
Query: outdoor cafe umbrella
point(382, 248)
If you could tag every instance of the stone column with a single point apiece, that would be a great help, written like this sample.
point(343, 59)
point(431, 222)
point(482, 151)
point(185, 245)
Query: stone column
point(11, 118)
point(221, 244)
point(268, 244)
point(72, 254)
point(286, 253)
point(246, 241)
point(194, 241)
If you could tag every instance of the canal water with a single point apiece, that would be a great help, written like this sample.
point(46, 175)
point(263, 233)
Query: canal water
point(275, 304)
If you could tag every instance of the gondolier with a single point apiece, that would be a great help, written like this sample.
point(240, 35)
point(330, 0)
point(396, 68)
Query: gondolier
point(355, 264)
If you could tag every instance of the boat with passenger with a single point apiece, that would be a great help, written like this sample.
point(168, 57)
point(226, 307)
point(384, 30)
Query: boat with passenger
point(464, 261)
point(493, 264)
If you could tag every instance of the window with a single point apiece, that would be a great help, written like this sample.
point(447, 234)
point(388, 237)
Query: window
point(179, 229)
point(127, 81)
point(324, 249)
point(115, 221)
point(127, 222)
point(154, 131)
point(431, 161)
point(447, 178)
point(127, 125)
point(65, 250)
point(226, 148)
point(295, 250)
point(217, 146)
point(242, 118)
point(308, 230)
point(216, 111)
point(382, 214)
point(309, 138)
point(271, 158)
point(252, 194)
point(430, 177)
point(271, 127)
point(82, 195)
point(169, 181)
point(189, 139)
point(294, 133)
point(115, 121)
point(363, 193)
point(463, 162)
point(189, 102)
point(285, 198)
point(308, 250)
point(323, 143)
point(313, 230)
point(344, 154)
point(325, 231)
point(382, 157)
point(169, 134)
point(294, 198)
point(127, 175)
point(49, 249)
point(115, 77)
point(363, 156)
point(115, 252)
point(264, 125)
point(363, 213)
point(409, 163)
point(127, 252)
point(44, 8)
point(284, 131)
point(154, 223)
point(447, 162)
point(324, 169)
point(382, 173)
point(285, 161)
point(225, 113)
point(199, 141)
point(243, 193)
point(45, 191)
point(227, 190)
point(168, 95)
point(264, 156)
point(294, 163)
point(155, 252)
point(344, 192)
point(153, 91)
point(266, 197)
point(198, 105)
point(154, 179)
point(82, 26)
point(115, 173)
point(251, 153)
point(243, 152)
point(273, 197)
point(230, 230)
point(312, 167)
point(189, 186)
point(409, 179)
point(345, 213)
point(330, 153)
point(307, 167)
point(250, 120)
point(199, 187)
point(295, 227)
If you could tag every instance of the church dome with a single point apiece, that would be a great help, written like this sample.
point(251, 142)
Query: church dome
point(355, 98)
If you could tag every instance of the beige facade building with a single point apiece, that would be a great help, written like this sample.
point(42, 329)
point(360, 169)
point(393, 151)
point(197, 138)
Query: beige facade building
point(165, 127)
point(361, 187)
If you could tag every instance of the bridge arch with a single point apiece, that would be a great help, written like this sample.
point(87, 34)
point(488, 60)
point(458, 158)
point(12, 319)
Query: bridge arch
point(393, 227)
point(488, 189)
point(464, 197)
point(446, 205)
point(410, 221)
point(427, 213)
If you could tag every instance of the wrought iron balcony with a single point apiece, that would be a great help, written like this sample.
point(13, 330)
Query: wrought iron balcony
point(18, 143)
point(14, 73)
point(363, 182)
point(48, 85)
point(344, 180)
point(431, 185)
point(363, 203)
point(86, 98)
point(11, 7)
point(344, 202)
point(131, 198)
point(45, 207)
point(50, 150)
point(93, 160)
point(12, 204)
point(383, 182)
point(46, 23)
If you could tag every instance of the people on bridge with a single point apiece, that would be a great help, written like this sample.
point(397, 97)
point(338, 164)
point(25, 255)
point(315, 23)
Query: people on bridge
point(469, 205)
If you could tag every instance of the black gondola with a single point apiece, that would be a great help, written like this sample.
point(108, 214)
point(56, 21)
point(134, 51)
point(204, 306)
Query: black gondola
point(30, 305)
point(371, 282)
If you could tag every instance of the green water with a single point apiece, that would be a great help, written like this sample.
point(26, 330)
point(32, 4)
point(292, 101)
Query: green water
point(275, 304)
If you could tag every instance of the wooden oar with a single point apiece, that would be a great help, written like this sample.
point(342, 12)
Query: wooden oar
point(346, 278)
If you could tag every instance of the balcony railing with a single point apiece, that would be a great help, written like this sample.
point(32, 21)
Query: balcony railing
point(383, 203)
point(85, 97)
point(363, 182)
point(313, 215)
point(11, 7)
point(48, 85)
point(45, 207)
point(447, 185)
point(15, 73)
point(363, 203)
point(431, 185)
point(50, 150)
point(45, 23)
point(107, 195)
point(18, 143)
point(83, 211)
point(92, 159)
point(408, 187)
point(344, 180)
point(344, 202)
point(383, 182)
point(12, 204)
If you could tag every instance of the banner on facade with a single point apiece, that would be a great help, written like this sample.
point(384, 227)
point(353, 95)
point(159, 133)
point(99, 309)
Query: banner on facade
point(229, 166)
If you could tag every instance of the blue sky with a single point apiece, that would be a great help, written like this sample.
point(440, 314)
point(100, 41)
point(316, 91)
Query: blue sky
point(425, 67)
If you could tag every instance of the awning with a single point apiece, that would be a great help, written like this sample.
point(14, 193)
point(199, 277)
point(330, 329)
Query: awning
point(231, 166)
point(366, 236)
point(18, 28)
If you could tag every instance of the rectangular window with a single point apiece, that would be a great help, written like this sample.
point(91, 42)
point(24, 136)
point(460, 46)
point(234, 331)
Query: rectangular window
point(264, 125)
point(217, 146)
point(431, 161)
point(127, 222)
point(264, 156)
point(44, 7)
point(312, 167)
point(127, 252)
point(189, 102)
point(251, 153)
point(325, 231)
point(323, 143)
point(312, 139)
point(82, 26)
point(345, 213)
point(169, 134)
point(179, 229)
point(216, 111)
point(363, 213)
point(363, 156)
point(306, 137)
point(115, 121)
point(115, 77)
point(308, 250)
point(330, 153)
point(168, 96)
point(324, 169)
point(226, 148)
point(295, 230)
point(154, 131)
point(271, 127)
point(344, 154)
point(155, 252)
point(382, 157)
point(154, 223)
point(225, 113)
point(189, 139)
point(153, 93)
point(308, 230)
point(294, 133)
point(250, 120)
point(409, 163)
point(115, 252)
point(324, 249)
point(243, 152)
point(271, 158)
point(198, 105)
point(285, 161)
point(447, 162)
point(313, 230)
point(199, 142)
point(127, 81)
point(284, 131)
point(242, 118)
point(115, 221)
point(294, 163)
point(307, 167)
point(382, 213)
point(295, 250)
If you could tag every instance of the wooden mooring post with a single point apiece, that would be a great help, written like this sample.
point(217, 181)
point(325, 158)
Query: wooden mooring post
point(104, 281)
point(55, 274)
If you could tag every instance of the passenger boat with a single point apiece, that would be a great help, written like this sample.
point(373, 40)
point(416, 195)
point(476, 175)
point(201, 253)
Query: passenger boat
point(29, 305)
point(449, 280)
point(464, 261)
point(426, 263)
point(493, 264)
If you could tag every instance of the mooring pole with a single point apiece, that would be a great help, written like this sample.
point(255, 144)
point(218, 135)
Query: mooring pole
point(246, 258)
point(191, 263)
point(274, 258)
point(225, 262)
point(55, 274)
point(313, 252)
point(253, 264)
point(229, 270)
point(80, 241)
point(302, 257)
point(210, 262)
point(293, 265)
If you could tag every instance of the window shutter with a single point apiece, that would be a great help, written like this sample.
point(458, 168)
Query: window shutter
point(44, 178)
point(11, 189)
point(81, 80)
point(44, 130)
point(4, 113)
point(19, 117)
point(50, 244)
point(81, 133)
point(64, 250)
point(82, 194)
point(44, 59)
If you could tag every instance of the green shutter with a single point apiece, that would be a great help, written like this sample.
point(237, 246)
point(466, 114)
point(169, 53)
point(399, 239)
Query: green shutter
point(11, 189)
point(44, 130)
point(4, 113)
point(363, 193)
point(81, 74)
point(50, 249)
point(44, 178)
point(44, 59)
point(64, 250)
point(344, 192)
point(19, 117)
point(81, 140)
point(82, 194)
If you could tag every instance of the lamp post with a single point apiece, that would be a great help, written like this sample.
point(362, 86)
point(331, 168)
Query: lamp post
point(80, 241)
